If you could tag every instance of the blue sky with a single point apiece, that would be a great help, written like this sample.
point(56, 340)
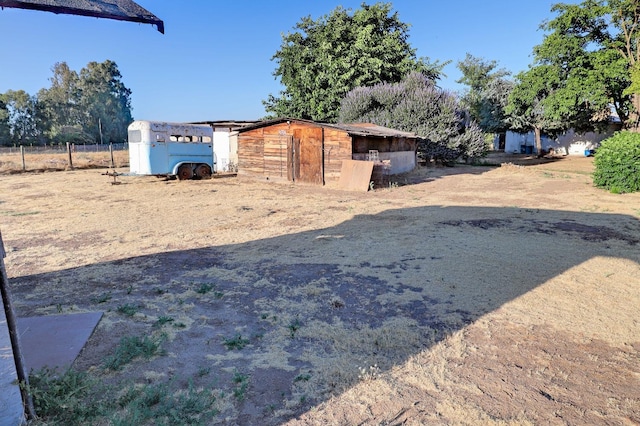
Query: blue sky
point(214, 60)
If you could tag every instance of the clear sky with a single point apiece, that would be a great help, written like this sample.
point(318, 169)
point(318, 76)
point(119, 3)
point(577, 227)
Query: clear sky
point(214, 60)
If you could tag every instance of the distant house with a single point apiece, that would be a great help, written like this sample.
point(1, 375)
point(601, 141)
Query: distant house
point(313, 152)
point(568, 143)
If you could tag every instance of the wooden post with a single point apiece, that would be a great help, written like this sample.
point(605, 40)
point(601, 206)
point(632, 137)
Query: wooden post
point(69, 153)
point(14, 336)
point(24, 165)
point(113, 164)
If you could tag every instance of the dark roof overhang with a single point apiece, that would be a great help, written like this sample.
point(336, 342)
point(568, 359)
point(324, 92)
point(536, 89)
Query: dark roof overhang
point(122, 10)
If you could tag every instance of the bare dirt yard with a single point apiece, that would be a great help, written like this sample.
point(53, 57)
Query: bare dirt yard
point(464, 295)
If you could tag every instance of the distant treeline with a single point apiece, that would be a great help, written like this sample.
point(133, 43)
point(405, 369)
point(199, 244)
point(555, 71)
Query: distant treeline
point(89, 107)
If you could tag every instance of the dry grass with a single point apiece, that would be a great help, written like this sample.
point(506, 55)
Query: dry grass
point(49, 162)
point(474, 295)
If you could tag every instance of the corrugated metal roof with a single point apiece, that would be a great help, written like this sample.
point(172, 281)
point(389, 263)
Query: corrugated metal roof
point(353, 129)
point(122, 10)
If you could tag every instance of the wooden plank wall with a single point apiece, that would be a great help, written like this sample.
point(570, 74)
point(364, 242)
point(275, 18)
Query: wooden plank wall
point(337, 147)
point(250, 154)
point(263, 152)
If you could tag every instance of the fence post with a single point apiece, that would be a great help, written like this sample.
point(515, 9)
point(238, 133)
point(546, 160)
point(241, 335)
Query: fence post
point(70, 160)
point(24, 165)
point(113, 164)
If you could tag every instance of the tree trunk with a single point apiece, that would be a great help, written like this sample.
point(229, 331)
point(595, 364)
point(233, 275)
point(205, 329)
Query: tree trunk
point(633, 121)
point(537, 133)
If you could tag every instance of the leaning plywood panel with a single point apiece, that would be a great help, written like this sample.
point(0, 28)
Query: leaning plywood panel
point(355, 175)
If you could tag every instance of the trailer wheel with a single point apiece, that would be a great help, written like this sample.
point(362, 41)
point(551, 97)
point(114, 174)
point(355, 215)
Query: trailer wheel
point(185, 172)
point(203, 171)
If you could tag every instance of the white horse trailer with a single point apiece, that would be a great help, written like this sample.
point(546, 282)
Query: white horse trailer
point(171, 149)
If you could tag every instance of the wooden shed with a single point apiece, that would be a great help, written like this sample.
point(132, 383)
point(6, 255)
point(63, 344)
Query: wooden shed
point(313, 152)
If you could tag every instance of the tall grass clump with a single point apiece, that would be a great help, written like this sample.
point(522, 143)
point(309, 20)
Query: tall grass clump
point(617, 163)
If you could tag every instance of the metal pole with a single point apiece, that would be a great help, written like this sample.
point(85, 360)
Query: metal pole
point(21, 369)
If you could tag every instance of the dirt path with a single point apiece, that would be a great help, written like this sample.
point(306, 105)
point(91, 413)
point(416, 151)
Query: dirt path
point(474, 295)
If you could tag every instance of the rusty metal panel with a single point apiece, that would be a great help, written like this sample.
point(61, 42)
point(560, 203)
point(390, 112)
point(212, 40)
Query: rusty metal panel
point(355, 175)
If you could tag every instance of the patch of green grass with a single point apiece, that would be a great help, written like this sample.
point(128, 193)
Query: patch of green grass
point(77, 398)
point(156, 404)
point(302, 377)
point(65, 398)
point(163, 319)
point(242, 383)
point(103, 298)
point(204, 288)
point(235, 342)
point(203, 371)
point(132, 347)
point(293, 327)
point(127, 309)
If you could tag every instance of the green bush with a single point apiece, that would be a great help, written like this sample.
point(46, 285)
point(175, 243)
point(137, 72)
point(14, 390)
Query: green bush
point(617, 163)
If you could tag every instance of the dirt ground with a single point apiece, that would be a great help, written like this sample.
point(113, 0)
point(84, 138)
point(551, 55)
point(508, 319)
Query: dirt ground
point(464, 295)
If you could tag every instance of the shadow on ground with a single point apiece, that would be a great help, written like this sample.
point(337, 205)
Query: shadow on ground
point(313, 308)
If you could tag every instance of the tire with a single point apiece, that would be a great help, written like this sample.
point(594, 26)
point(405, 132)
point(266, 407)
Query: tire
point(185, 172)
point(203, 171)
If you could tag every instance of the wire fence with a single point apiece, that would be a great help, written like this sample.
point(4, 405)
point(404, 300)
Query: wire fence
point(58, 149)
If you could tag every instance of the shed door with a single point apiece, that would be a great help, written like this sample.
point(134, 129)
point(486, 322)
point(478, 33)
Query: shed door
point(307, 158)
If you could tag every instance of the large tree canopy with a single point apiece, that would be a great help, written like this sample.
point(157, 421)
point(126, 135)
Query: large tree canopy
point(20, 113)
point(417, 105)
point(323, 59)
point(583, 68)
point(105, 102)
point(92, 106)
point(487, 92)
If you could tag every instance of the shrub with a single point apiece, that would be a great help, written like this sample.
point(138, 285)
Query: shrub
point(617, 163)
point(417, 105)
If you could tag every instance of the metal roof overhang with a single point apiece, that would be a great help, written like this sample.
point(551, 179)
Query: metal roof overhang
point(121, 10)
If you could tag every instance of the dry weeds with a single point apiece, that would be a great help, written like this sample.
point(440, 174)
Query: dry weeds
point(469, 295)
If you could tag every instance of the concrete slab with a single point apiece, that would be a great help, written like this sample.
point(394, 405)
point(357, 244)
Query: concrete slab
point(11, 408)
point(55, 341)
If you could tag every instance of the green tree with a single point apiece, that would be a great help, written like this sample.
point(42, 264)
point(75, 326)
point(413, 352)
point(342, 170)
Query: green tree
point(527, 106)
point(487, 94)
point(22, 120)
point(323, 59)
point(417, 105)
point(59, 105)
point(583, 68)
point(5, 129)
point(104, 102)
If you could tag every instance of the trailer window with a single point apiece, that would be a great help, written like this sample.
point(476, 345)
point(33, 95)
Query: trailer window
point(190, 138)
point(135, 136)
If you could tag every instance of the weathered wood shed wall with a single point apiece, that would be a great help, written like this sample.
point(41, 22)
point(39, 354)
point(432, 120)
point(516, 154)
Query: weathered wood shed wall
point(311, 152)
